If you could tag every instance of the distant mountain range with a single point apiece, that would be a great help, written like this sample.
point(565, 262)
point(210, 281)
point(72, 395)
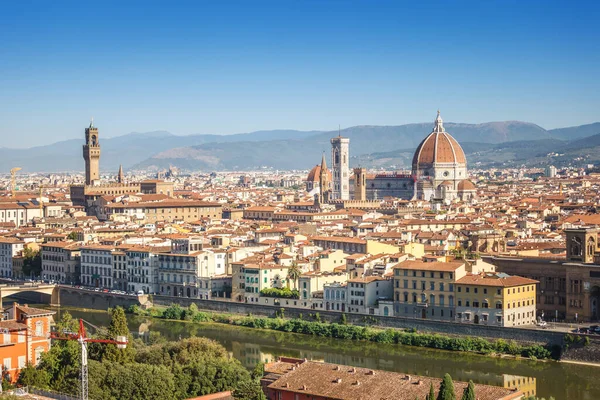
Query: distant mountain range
point(507, 143)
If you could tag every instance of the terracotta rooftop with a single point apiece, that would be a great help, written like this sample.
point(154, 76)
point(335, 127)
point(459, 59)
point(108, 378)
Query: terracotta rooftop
point(334, 381)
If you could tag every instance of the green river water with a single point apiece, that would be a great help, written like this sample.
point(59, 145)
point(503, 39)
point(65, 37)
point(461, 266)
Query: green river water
point(545, 379)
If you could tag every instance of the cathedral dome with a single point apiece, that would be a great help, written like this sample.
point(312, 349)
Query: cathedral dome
point(438, 147)
point(315, 174)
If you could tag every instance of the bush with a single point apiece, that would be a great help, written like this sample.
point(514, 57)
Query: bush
point(174, 311)
point(284, 293)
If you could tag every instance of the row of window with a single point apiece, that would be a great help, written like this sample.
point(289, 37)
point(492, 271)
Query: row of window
point(424, 274)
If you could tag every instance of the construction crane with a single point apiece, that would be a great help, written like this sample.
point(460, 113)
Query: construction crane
point(83, 340)
point(13, 182)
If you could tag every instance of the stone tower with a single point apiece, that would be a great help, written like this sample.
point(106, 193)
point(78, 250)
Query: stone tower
point(582, 244)
point(324, 184)
point(91, 154)
point(360, 184)
point(121, 176)
point(340, 165)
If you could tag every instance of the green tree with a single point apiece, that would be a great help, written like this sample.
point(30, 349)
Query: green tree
point(109, 381)
point(431, 395)
point(258, 371)
point(32, 376)
point(343, 319)
point(118, 327)
point(32, 262)
point(469, 393)
point(294, 273)
point(72, 236)
point(249, 390)
point(447, 389)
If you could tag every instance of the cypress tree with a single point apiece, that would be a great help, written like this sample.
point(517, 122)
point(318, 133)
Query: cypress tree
point(447, 389)
point(431, 395)
point(469, 393)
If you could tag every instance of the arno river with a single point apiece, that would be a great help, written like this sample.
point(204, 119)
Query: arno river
point(545, 379)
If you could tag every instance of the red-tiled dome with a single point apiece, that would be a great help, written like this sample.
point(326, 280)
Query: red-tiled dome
point(439, 147)
point(466, 185)
point(315, 174)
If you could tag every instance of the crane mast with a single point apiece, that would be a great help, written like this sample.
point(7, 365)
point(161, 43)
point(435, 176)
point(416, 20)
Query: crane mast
point(83, 340)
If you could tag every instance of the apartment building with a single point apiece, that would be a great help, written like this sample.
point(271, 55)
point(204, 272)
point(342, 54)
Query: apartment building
point(257, 277)
point(61, 262)
point(97, 266)
point(142, 269)
point(25, 336)
point(365, 293)
point(168, 210)
point(426, 289)
point(9, 248)
point(182, 269)
point(496, 299)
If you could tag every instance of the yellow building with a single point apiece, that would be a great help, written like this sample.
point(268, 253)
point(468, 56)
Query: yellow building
point(496, 299)
point(426, 289)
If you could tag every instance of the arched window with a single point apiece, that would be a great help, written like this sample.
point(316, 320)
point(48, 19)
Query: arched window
point(39, 328)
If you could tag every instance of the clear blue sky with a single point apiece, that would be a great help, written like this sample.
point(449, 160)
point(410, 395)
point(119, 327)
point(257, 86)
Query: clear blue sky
point(226, 67)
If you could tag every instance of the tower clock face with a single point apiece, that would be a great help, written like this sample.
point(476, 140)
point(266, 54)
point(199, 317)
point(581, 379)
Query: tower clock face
point(446, 173)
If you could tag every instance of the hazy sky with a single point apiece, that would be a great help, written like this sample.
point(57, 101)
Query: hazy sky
point(229, 67)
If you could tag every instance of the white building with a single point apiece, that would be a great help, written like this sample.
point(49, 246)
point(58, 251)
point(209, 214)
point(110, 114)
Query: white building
point(142, 270)
point(551, 171)
point(9, 247)
point(365, 293)
point(97, 266)
point(335, 297)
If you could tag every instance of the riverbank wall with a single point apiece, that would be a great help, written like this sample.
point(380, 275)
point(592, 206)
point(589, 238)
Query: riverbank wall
point(102, 301)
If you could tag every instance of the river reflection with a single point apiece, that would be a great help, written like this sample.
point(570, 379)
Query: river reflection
point(250, 346)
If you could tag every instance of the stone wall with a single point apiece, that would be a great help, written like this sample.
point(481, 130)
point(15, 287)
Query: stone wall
point(522, 335)
point(94, 300)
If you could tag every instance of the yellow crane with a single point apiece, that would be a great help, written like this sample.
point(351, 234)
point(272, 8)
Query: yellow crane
point(13, 183)
point(41, 202)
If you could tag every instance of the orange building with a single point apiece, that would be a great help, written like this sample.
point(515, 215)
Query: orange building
point(25, 336)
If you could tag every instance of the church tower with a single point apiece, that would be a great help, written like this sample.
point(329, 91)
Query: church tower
point(324, 184)
point(91, 154)
point(360, 184)
point(121, 176)
point(340, 160)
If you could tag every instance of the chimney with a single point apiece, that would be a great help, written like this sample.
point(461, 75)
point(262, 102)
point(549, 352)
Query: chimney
point(14, 310)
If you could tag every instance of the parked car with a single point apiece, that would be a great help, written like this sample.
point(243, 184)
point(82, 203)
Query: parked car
point(543, 324)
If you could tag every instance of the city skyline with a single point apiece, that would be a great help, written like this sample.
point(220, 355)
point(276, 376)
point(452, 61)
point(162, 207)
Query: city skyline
point(234, 67)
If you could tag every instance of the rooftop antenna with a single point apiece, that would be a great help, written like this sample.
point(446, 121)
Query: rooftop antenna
point(339, 130)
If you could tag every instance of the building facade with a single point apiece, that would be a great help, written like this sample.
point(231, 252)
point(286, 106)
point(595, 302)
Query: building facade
point(61, 262)
point(340, 165)
point(97, 266)
point(496, 299)
point(9, 248)
point(25, 337)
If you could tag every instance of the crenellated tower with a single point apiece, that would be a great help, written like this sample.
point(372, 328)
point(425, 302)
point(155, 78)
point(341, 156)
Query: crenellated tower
point(91, 154)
